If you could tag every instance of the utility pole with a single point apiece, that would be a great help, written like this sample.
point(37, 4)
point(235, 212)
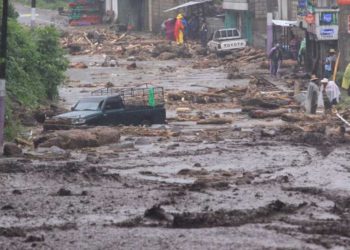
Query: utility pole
point(3, 50)
point(32, 20)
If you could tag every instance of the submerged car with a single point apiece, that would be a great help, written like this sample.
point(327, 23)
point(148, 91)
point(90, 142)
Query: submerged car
point(144, 106)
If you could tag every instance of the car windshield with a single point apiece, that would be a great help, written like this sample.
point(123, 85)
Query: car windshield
point(88, 105)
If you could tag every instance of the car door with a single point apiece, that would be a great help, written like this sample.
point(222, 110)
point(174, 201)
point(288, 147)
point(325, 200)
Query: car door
point(113, 111)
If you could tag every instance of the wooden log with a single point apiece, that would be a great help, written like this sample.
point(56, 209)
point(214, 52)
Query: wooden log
point(261, 114)
point(298, 117)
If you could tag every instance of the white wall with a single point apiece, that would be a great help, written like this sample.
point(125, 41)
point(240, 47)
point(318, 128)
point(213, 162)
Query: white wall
point(112, 5)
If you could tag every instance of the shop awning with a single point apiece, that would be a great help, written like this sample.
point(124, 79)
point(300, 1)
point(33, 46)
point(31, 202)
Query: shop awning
point(285, 23)
point(190, 3)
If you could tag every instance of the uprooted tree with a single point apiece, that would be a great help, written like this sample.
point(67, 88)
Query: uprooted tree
point(35, 68)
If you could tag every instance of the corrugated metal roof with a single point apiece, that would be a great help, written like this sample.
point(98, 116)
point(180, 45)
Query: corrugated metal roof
point(190, 3)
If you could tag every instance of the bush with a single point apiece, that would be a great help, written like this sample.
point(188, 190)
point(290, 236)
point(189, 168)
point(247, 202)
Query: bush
point(35, 68)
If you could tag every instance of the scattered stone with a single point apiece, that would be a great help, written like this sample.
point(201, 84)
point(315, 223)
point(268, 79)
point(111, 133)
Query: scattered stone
point(12, 150)
point(84, 193)
point(17, 192)
point(268, 133)
point(78, 65)
point(167, 56)
point(64, 192)
point(158, 213)
point(7, 207)
point(132, 66)
point(33, 238)
point(197, 165)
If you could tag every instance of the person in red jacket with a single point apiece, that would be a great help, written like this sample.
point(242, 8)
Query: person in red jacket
point(179, 30)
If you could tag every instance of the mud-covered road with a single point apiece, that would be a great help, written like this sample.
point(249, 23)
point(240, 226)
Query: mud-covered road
point(245, 185)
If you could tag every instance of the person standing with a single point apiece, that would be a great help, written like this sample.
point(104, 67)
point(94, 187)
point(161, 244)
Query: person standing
point(179, 30)
point(276, 59)
point(329, 64)
point(313, 92)
point(204, 34)
point(302, 52)
point(346, 79)
point(293, 47)
point(331, 91)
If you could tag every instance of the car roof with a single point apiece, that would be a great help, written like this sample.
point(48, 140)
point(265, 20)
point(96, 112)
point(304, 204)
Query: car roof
point(98, 98)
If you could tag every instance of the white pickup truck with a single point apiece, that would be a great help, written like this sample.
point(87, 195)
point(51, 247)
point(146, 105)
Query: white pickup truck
point(225, 40)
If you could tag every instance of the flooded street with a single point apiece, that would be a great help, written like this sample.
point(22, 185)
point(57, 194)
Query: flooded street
point(246, 184)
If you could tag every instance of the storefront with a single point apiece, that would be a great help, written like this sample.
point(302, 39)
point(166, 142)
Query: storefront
point(321, 32)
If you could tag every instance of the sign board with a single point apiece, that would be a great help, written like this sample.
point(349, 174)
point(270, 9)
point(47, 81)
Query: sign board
point(327, 33)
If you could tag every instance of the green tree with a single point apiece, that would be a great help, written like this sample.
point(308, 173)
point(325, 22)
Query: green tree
point(35, 68)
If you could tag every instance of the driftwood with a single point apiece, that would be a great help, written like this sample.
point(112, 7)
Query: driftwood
point(260, 114)
point(298, 117)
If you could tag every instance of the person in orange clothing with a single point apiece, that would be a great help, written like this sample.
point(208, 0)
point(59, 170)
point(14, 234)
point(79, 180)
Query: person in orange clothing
point(179, 30)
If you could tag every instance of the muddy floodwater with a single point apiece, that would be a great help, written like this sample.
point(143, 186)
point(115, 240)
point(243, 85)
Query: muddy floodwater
point(242, 185)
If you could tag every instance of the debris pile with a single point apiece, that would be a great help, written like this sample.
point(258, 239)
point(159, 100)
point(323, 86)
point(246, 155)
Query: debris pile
point(79, 138)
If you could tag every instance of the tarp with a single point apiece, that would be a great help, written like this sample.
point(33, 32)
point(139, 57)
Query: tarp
point(190, 3)
point(285, 23)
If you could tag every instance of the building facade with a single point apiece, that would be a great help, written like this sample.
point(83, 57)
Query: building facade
point(251, 16)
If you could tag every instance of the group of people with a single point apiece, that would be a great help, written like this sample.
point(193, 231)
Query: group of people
point(180, 29)
point(321, 91)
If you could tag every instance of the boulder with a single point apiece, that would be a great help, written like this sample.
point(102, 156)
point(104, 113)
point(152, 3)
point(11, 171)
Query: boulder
point(11, 149)
point(167, 56)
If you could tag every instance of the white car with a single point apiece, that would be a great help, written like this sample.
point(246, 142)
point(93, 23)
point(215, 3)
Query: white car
point(226, 39)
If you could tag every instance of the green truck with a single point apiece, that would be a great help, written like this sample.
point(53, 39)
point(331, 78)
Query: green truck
point(108, 107)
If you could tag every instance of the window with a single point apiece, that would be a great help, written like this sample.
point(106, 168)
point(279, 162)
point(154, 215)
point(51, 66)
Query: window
point(230, 33)
point(113, 104)
point(223, 34)
point(235, 33)
point(217, 35)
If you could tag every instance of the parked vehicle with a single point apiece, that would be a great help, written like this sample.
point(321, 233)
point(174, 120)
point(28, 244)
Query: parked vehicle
point(226, 40)
point(134, 106)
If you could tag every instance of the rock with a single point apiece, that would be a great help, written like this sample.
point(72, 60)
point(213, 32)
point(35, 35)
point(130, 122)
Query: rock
point(132, 66)
point(17, 192)
point(142, 141)
point(158, 213)
point(268, 133)
point(64, 192)
point(167, 56)
point(197, 165)
point(11, 149)
point(78, 65)
point(7, 207)
point(32, 238)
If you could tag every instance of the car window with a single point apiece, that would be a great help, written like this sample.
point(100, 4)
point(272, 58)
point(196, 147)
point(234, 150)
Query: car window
point(87, 105)
point(113, 104)
point(223, 34)
point(235, 33)
point(217, 35)
point(230, 33)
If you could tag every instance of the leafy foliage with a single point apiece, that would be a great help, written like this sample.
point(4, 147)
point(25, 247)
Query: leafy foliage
point(35, 68)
